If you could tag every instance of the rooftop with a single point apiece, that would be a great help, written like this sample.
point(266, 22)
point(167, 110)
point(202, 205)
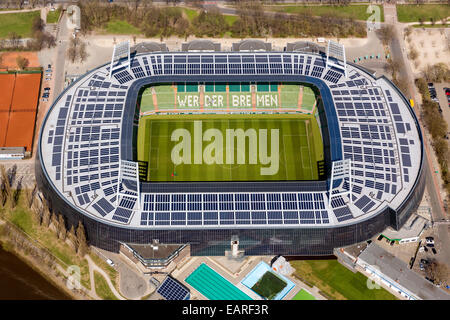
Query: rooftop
point(398, 271)
point(82, 134)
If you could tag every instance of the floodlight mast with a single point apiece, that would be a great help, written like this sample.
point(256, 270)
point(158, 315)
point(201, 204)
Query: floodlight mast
point(337, 51)
point(341, 169)
point(120, 50)
point(129, 170)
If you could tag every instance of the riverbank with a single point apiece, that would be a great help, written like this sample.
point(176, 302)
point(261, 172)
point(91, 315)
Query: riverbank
point(20, 280)
point(47, 276)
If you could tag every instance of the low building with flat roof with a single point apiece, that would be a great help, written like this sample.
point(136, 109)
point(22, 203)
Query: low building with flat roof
point(304, 46)
point(146, 47)
point(200, 46)
point(251, 45)
point(395, 274)
point(8, 153)
point(154, 255)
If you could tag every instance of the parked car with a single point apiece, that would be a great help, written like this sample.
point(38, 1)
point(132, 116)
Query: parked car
point(44, 99)
point(429, 240)
point(47, 89)
point(48, 79)
point(110, 262)
point(49, 66)
point(426, 249)
point(380, 237)
point(392, 242)
point(433, 250)
point(430, 245)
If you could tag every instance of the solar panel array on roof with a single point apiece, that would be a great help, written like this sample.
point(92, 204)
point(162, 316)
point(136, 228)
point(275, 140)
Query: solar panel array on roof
point(171, 289)
point(85, 142)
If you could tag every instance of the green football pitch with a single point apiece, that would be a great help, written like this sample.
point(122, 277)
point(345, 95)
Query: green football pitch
point(303, 295)
point(229, 147)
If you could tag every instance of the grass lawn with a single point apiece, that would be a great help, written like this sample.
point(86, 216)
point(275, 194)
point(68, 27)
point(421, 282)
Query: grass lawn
point(299, 144)
point(21, 23)
point(120, 27)
point(190, 13)
point(53, 16)
point(431, 26)
point(230, 19)
point(303, 295)
point(22, 218)
point(101, 287)
point(357, 12)
point(106, 267)
point(338, 282)
point(412, 12)
point(269, 285)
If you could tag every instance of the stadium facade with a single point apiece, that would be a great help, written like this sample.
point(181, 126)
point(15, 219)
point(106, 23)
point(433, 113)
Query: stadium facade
point(87, 148)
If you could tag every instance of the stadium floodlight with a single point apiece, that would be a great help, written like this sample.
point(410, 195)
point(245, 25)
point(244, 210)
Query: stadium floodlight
point(341, 170)
point(120, 50)
point(128, 171)
point(336, 50)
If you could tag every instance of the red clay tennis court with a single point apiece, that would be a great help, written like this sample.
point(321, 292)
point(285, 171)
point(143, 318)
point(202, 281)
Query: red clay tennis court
point(18, 107)
point(7, 86)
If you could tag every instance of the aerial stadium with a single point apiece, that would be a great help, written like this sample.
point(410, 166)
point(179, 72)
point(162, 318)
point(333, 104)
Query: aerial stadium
point(290, 153)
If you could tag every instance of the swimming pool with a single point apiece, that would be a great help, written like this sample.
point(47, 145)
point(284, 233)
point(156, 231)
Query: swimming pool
point(213, 286)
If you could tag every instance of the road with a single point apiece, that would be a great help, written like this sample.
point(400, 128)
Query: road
point(432, 182)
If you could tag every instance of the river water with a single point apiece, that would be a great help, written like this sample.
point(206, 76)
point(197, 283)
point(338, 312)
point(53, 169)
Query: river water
point(19, 281)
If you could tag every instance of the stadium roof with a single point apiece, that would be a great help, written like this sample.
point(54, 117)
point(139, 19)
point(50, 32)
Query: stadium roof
point(86, 131)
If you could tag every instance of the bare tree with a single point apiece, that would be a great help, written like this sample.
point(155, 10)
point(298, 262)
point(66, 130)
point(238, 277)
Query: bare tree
point(14, 198)
point(14, 39)
point(82, 244)
point(5, 186)
point(62, 231)
point(22, 62)
point(437, 271)
point(72, 237)
point(386, 34)
point(46, 217)
point(82, 53)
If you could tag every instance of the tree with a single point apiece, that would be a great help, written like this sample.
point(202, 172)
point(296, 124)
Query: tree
point(5, 186)
point(72, 237)
point(14, 39)
point(82, 244)
point(22, 62)
point(30, 194)
point(438, 72)
point(437, 271)
point(38, 25)
point(14, 198)
point(433, 22)
point(62, 231)
point(72, 54)
point(82, 53)
point(73, 51)
point(55, 223)
point(386, 34)
point(413, 53)
point(46, 216)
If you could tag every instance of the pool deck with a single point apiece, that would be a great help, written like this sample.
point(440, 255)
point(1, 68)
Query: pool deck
point(235, 276)
point(256, 274)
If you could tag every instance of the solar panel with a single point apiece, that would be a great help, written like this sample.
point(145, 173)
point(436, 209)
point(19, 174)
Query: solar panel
point(171, 289)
